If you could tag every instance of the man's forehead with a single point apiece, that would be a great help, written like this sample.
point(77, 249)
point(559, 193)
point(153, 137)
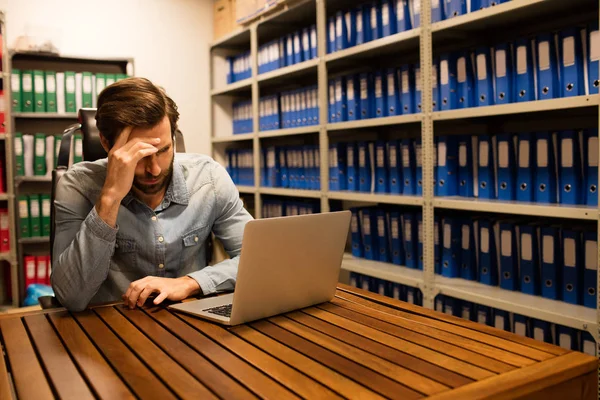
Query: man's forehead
point(162, 131)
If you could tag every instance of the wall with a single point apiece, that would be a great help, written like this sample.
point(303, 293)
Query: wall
point(168, 39)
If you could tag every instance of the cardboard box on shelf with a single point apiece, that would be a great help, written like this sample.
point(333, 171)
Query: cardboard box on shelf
point(224, 14)
point(248, 10)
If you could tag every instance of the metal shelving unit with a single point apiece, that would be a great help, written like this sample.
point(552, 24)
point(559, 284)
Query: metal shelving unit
point(309, 194)
point(517, 208)
point(233, 88)
point(233, 138)
point(424, 42)
point(376, 122)
point(289, 132)
point(388, 272)
point(10, 257)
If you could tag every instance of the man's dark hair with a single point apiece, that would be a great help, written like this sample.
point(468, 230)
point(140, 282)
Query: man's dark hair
point(133, 102)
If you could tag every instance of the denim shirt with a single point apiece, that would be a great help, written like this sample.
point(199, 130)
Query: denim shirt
point(94, 262)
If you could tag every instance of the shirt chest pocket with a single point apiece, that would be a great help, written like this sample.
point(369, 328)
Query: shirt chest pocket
point(125, 256)
point(193, 243)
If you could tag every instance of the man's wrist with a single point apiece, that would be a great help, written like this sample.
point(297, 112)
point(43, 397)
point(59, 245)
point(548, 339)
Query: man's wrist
point(193, 286)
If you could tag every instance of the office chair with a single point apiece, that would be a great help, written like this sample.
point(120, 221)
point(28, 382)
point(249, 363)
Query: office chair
point(92, 150)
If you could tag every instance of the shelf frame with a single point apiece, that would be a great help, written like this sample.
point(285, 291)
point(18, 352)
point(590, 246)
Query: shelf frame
point(328, 65)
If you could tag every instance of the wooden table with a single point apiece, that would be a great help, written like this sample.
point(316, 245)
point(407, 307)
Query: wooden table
point(360, 345)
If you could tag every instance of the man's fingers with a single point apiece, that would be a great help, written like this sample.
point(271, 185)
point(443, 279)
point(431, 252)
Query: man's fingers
point(161, 297)
point(143, 152)
point(148, 290)
point(127, 147)
point(123, 137)
point(137, 288)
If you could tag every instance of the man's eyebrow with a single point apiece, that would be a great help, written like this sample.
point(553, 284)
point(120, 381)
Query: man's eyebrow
point(164, 148)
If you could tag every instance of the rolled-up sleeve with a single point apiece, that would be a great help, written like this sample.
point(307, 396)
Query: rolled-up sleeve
point(230, 219)
point(83, 245)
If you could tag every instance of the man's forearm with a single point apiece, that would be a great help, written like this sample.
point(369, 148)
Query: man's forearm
point(81, 268)
point(107, 208)
point(217, 278)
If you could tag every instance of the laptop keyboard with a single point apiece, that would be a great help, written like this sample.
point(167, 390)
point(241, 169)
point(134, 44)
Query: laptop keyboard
point(224, 311)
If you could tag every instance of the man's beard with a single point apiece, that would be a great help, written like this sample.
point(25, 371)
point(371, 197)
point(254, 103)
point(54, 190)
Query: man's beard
point(163, 180)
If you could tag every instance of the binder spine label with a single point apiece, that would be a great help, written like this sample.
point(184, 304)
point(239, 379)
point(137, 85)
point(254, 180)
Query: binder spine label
point(569, 252)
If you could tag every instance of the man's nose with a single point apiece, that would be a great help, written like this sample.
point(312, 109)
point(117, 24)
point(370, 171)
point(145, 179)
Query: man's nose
point(152, 166)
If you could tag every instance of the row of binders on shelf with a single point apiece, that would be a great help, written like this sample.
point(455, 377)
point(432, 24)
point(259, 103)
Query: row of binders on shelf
point(34, 215)
point(385, 288)
point(545, 167)
point(37, 154)
point(294, 167)
point(57, 92)
point(527, 70)
point(544, 331)
point(242, 117)
point(386, 93)
point(288, 50)
point(239, 67)
point(376, 167)
point(391, 235)
point(290, 109)
point(240, 166)
point(557, 262)
point(381, 18)
point(548, 66)
point(4, 231)
point(565, 337)
point(37, 269)
point(273, 208)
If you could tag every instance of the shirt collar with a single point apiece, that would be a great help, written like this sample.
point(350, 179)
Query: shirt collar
point(177, 190)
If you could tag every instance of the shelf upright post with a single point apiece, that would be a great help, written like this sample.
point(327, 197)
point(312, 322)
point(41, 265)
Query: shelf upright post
point(255, 122)
point(425, 47)
point(9, 163)
point(323, 103)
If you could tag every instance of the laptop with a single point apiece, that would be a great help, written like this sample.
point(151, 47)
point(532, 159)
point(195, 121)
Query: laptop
point(285, 264)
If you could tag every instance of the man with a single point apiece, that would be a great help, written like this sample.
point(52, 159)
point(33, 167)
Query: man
point(135, 223)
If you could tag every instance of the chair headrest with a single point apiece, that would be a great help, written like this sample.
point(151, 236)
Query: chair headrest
point(92, 147)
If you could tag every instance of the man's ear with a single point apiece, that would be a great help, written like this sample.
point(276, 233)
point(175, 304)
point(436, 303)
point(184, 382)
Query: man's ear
point(104, 142)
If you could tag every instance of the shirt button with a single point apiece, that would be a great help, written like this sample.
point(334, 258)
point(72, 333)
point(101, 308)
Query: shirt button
point(154, 218)
point(196, 239)
point(160, 239)
point(161, 266)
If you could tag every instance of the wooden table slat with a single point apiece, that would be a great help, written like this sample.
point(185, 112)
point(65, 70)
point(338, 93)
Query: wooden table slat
point(495, 353)
point(204, 371)
point(525, 381)
point(403, 376)
point(527, 347)
point(472, 357)
point(24, 364)
point(289, 377)
point(131, 369)
point(5, 382)
point(178, 379)
point(66, 379)
point(245, 373)
point(337, 382)
point(415, 364)
point(365, 376)
point(424, 353)
point(104, 380)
